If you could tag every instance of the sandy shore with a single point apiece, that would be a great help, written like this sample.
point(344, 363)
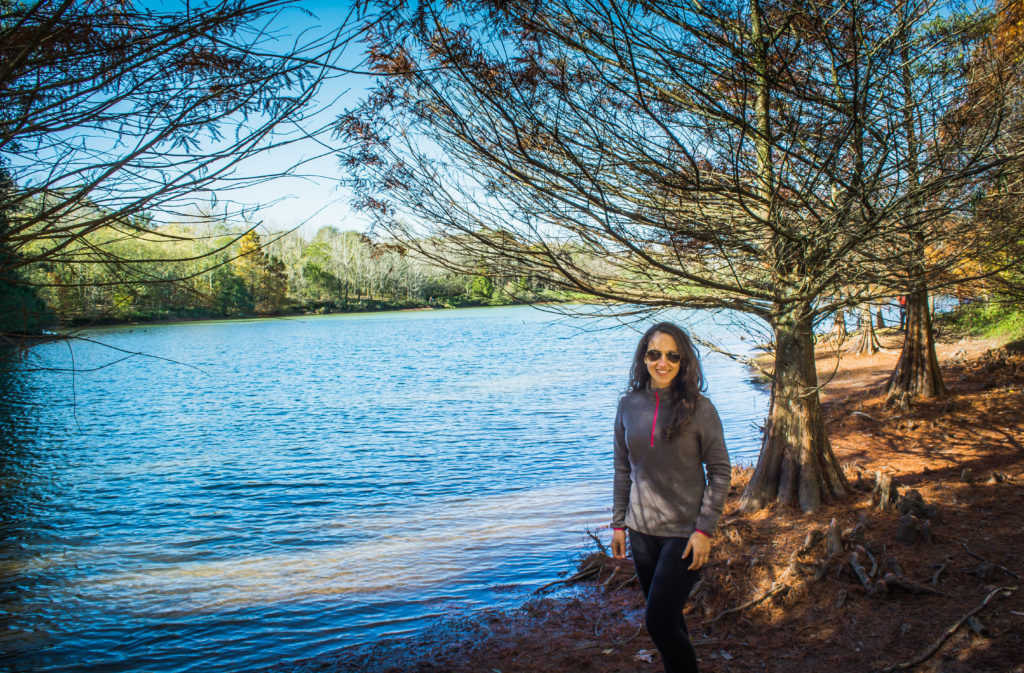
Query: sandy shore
point(938, 591)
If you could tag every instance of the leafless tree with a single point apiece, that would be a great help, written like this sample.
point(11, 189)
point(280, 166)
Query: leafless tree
point(744, 156)
point(120, 115)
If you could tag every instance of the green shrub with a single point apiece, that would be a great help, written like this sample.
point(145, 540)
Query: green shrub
point(989, 319)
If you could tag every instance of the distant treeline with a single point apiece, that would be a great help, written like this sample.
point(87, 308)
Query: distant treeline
point(180, 273)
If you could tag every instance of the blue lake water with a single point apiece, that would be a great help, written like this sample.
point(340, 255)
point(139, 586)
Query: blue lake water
point(252, 492)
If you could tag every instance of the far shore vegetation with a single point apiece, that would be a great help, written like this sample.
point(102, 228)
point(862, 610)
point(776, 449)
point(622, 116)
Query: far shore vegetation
point(217, 274)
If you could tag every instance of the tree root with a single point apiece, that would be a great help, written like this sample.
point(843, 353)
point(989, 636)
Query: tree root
point(947, 634)
point(985, 560)
point(893, 580)
point(900, 582)
point(885, 494)
point(774, 590)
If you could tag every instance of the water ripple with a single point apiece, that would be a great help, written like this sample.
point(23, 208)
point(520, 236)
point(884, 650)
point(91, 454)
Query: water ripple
point(309, 489)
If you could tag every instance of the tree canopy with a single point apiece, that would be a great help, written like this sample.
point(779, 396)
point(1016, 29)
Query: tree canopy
point(779, 159)
point(118, 115)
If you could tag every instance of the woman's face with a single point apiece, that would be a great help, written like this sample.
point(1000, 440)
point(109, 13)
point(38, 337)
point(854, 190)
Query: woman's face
point(662, 371)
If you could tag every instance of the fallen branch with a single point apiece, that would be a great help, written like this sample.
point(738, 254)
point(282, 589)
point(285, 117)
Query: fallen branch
point(586, 573)
point(901, 582)
point(615, 571)
point(872, 418)
point(773, 590)
point(631, 578)
point(927, 654)
point(597, 540)
point(982, 558)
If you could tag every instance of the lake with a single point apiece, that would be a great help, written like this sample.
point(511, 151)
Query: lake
point(244, 493)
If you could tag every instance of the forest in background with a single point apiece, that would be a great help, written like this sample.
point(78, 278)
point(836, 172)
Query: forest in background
point(187, 272)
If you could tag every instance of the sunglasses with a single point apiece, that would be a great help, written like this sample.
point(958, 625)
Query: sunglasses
point(654, 356)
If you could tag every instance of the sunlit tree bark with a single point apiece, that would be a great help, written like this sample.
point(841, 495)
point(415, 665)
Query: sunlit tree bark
point(865, 341)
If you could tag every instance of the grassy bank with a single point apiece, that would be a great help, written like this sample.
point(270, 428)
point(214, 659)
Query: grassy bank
point(986, 319)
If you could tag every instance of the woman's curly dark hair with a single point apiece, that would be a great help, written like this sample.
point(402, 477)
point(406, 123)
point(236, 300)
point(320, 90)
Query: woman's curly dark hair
point(685, 387)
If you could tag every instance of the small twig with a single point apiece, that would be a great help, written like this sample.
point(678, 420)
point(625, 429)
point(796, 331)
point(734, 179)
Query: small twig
point(635, 634)
point(631, 578)
point(708, 641)
point(939, 568)
point(597, 540)
point(872, 418)
point(982, 558)
point(927, 654)
point(774, 589)
point(615, 570)
point(581, 575)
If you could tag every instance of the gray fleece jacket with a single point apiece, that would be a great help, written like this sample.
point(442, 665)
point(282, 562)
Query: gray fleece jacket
point(661, 487)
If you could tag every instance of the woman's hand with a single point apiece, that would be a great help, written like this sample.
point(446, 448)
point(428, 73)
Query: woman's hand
point(698, 546)
point(619, 543)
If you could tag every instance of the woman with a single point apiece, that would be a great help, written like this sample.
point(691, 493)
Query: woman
point(667, 438)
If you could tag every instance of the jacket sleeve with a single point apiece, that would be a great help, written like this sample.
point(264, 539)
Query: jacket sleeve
point(716, 466)
point(623, 479)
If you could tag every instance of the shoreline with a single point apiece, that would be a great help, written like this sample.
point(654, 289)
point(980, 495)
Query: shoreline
point(898, 578)
point(67, 329)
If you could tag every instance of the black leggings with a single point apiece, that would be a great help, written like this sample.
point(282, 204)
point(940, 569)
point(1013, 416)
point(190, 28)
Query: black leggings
point(667, 582)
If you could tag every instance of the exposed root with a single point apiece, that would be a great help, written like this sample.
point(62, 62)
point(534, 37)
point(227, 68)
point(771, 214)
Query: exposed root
point(985, 560)
point(775, 589)
point(885, 493)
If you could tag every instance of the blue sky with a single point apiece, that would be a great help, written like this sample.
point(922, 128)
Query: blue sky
point(314, 198)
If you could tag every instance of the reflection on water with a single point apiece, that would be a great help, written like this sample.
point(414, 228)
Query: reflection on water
point(304, 484)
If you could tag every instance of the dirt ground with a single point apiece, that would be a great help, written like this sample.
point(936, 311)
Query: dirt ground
point(941, 590)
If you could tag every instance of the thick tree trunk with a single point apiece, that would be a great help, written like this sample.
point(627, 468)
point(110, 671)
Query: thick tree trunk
point(917, 373)
point(867, 341)
point(796, 464)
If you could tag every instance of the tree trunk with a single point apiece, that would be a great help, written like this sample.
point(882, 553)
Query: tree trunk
point(796, 464)
point(838, 333)
point(917, 374)
point(867, 342)
point(881, 320)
